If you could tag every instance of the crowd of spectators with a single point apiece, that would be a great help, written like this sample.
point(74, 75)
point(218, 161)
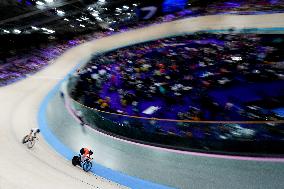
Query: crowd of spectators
point(19, 63)
point(224, 7)
point(194, 77)
point(246, 6)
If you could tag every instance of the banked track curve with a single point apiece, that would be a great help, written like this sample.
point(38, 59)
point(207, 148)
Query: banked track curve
point(41, 167)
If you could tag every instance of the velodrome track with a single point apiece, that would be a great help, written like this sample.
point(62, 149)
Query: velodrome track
point(42, 167)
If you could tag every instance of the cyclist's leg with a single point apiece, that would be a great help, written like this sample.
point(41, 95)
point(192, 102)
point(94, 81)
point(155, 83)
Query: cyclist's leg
point(34, 136)
point(30, 135)
point(83, 158)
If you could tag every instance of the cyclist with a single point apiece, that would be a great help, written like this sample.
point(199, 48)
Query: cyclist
point(85, 154)
point(79, 115)
point(33, 133)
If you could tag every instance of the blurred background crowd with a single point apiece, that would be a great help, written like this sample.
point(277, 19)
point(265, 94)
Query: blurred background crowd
point(24, 52)
point(195, 77)
point(205, 91)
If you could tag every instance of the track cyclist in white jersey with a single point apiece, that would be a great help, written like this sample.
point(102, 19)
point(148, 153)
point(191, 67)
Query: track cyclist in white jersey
point(33, 134)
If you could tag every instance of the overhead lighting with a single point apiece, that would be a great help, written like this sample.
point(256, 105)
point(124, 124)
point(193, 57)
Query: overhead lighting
point(34, 28)
point(51, 31)
point(90, 8)
point(60, 12)
point(135, 5)
point(72, 26)
point(82, 25)
point(48, 31)
point(79, 20)
point(16, 31)
point(101, 2)
point(6, 31)
point(67, 20)
point(125, 7)
point(49, 1)
point(84, 18)
point(98, 18)
point(94, 14)
point(236, 58)
point(40, 3)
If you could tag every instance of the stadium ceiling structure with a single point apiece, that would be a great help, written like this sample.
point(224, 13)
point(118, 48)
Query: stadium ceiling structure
point(75, 16)
point(59, 16)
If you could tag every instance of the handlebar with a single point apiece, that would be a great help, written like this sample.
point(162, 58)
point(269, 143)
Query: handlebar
point(87, 159)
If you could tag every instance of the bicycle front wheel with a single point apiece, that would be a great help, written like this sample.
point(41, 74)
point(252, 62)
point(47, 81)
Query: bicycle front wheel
point(87, 166)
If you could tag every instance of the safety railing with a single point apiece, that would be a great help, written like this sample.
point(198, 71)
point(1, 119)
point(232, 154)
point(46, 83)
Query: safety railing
point(226, 137)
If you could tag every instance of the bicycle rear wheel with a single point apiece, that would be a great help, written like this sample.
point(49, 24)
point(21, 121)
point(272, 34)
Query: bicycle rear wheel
point(25, 139)
point(31, 143)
